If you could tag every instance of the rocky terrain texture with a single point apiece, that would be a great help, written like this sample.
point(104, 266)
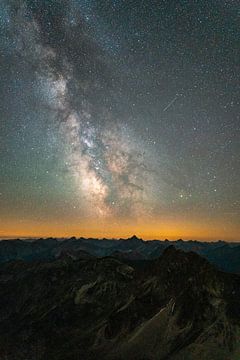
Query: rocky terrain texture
point(175, 307)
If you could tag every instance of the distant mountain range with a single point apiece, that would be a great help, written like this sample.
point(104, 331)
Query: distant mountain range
point(225, 255)
point(78, 306)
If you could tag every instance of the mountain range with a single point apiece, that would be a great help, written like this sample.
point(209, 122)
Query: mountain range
point(225, 255)
point(177, 306)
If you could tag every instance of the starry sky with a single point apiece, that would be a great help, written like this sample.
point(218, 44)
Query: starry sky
point(120, 117)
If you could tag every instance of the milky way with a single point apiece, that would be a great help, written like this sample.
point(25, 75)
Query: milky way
point(112, 172)
point(109, 169)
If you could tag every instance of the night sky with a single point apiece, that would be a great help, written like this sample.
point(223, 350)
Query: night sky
point(120, 117)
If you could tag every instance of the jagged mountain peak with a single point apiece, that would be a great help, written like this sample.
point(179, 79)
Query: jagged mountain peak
point(134, 238)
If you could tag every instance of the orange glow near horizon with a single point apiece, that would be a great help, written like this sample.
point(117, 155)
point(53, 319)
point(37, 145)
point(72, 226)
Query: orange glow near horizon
point(171, 229)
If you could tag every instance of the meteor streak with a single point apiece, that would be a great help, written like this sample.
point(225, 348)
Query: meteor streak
point(171, 103)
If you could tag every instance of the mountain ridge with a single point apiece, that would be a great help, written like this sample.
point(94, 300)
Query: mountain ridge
point(226, 256)
point(177, 306)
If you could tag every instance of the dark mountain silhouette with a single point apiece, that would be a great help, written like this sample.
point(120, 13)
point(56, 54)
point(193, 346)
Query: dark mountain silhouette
point(224, 255)
point(175, 307)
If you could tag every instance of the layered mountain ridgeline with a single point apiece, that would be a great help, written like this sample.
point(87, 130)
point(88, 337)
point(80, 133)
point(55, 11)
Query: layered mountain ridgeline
point(176, 307)
point(226, 256)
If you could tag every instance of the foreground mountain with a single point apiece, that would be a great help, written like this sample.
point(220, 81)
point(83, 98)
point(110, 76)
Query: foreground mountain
point(176, 307)
point(226, 256)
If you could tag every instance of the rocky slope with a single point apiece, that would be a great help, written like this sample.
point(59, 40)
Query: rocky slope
point(175, 307)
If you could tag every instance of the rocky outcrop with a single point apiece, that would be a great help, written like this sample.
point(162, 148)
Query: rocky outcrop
point(175, 307)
